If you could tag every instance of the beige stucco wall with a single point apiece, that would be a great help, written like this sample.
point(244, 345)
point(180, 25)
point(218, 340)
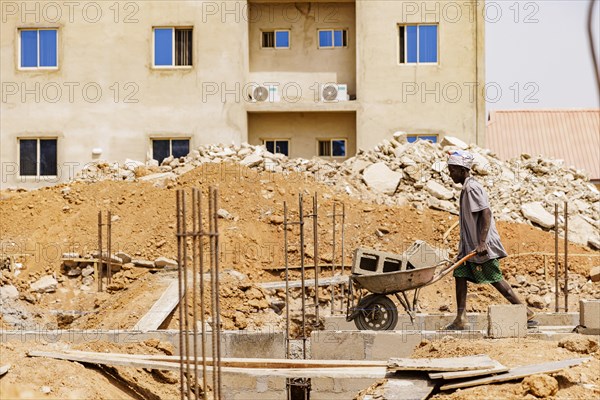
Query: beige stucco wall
point(385, 88)
point(108, 55)
point(303, 130)
point(303, 62)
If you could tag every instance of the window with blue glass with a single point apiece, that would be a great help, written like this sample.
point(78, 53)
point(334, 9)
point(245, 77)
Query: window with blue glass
point(278, 146)
point(278, 39)
point(172, 47)
point(39, 48)
point(332, 148)
point(418, 44)
point(163, 148)
point(414, 138)
point(333, 38)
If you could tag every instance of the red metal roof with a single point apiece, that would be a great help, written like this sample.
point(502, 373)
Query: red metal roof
point(569, 135)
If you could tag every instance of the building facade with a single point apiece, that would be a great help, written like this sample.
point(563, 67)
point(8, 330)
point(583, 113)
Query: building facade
point(83, 81)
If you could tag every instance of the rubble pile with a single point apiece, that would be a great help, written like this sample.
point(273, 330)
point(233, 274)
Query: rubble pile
point(395, 172)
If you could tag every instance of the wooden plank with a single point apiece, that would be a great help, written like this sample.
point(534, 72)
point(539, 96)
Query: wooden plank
point(480, 361)
point(338, 279)
point(407, 386)
point(519, 372)
point(242, 362)
point(160, 310)
point(336, 372)
point(498, 368)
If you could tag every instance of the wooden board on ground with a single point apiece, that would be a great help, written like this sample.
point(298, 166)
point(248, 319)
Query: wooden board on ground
point(334, 372)
point(519, 372)
point(307, 283)
point(498, 368)
point(480, 361)
point(407, 386)
point(160, 310)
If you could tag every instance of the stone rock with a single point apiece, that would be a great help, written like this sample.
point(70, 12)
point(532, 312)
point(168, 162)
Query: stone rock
point(276, 219)
point(8, 292)
point(74, 272)
point(87, 280)
point(143, 263)
point(87, 271)
point(71, 255)
point(580, 231)
point(46, 284)
point(438, 191)
point(125, 258)
point(161, 176)
point(252, 160)
point(595, 274)
point(222, 213)
point(454, 142)
point(594, 242)
point(359, 166)
point(536, 213)
point(165, 262)
point(579, 344)
point(380, 178)
point(540, 385)
point(536, 301)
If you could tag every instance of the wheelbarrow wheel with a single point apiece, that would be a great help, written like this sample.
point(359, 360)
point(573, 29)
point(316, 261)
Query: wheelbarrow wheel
point(376, 312)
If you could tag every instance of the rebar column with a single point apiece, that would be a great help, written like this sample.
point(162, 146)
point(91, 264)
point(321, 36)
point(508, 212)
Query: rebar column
point(302, 276)
point(195, 240)
point(202, 305)
point(556, 257)
point(109, 248)
point(333, 259)
point(180, 239)
point(215, 235)
point(566, 288)
point(287, 281)
point(315, 217)
point(99, 264)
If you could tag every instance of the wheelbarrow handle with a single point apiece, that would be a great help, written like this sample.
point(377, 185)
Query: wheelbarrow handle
point(446, 270)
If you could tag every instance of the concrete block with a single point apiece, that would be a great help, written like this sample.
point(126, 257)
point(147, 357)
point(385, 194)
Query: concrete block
point(330, 396)
point(242, 344)
point(239, 381)
point(392, 344)
point(589, 316)
point(506, 321)
point(322, 385)
point(328, 345)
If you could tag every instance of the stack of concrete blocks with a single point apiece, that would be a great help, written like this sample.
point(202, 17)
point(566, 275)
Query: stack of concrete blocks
point(589, 316)
point(507, 321)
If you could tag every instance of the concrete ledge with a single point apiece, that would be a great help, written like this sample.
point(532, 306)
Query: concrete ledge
point(235, 344)
point(432, 322)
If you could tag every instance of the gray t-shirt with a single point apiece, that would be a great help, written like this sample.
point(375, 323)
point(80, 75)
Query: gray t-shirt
point(474, 199)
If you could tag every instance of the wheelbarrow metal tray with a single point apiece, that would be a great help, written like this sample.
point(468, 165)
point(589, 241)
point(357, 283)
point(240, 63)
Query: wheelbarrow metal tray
point(393, 282)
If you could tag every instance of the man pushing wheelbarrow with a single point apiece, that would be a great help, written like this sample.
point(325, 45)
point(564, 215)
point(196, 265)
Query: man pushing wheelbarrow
point(477, 233)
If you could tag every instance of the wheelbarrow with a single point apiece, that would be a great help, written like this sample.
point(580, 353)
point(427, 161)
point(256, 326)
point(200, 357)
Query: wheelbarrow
point(377, 311)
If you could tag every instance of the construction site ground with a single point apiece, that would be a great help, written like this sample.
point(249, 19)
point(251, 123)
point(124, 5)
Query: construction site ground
point(46, 223)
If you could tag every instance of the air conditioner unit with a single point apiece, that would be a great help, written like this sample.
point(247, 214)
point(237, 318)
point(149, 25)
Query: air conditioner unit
point(334, 92)
point(264, 93)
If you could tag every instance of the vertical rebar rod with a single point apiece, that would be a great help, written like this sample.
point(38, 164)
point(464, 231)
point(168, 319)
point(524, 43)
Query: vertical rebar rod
point(333, 260)
point(99, 265)
point(185, 298)
point(213, 311)
point(202, 305)
point(287, 282)
point(195, 239)
point(343, 256)
point(109, 248)
point(566, 256)
point(302, 276)
point(316, 255)
point(179, 279)
point(556, 257)
point(217, 285)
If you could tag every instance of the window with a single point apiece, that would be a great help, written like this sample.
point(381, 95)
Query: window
point(414, 138)
point(418, 44)
point(278, 146)
point(163, 148)
point(172, 47)
point(332, 38)
point(37, 157)
point(276, 39)
point(332, 148)
point(38, 48)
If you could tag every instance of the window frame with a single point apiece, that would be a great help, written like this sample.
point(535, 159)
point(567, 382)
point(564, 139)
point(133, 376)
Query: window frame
point(173, 48)
point(418, 62)
point(275, 144)
point(38, 155)
point(274, 31)
point(331, 140)
point(20, 44)
point(333, 46)
point(170, 139)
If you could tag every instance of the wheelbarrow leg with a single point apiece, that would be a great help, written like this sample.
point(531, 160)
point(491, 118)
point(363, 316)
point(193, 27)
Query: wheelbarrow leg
point(406, 304)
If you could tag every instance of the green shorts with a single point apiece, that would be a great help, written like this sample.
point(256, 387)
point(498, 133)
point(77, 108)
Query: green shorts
point(488, 272)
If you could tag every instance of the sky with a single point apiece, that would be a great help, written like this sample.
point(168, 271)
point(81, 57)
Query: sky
point(538, 55)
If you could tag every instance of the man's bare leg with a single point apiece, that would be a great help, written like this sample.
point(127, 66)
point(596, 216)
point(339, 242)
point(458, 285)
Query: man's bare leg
point(461, 304)
point(509, 294)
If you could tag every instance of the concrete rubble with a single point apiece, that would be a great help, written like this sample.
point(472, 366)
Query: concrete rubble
point(395, 172)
